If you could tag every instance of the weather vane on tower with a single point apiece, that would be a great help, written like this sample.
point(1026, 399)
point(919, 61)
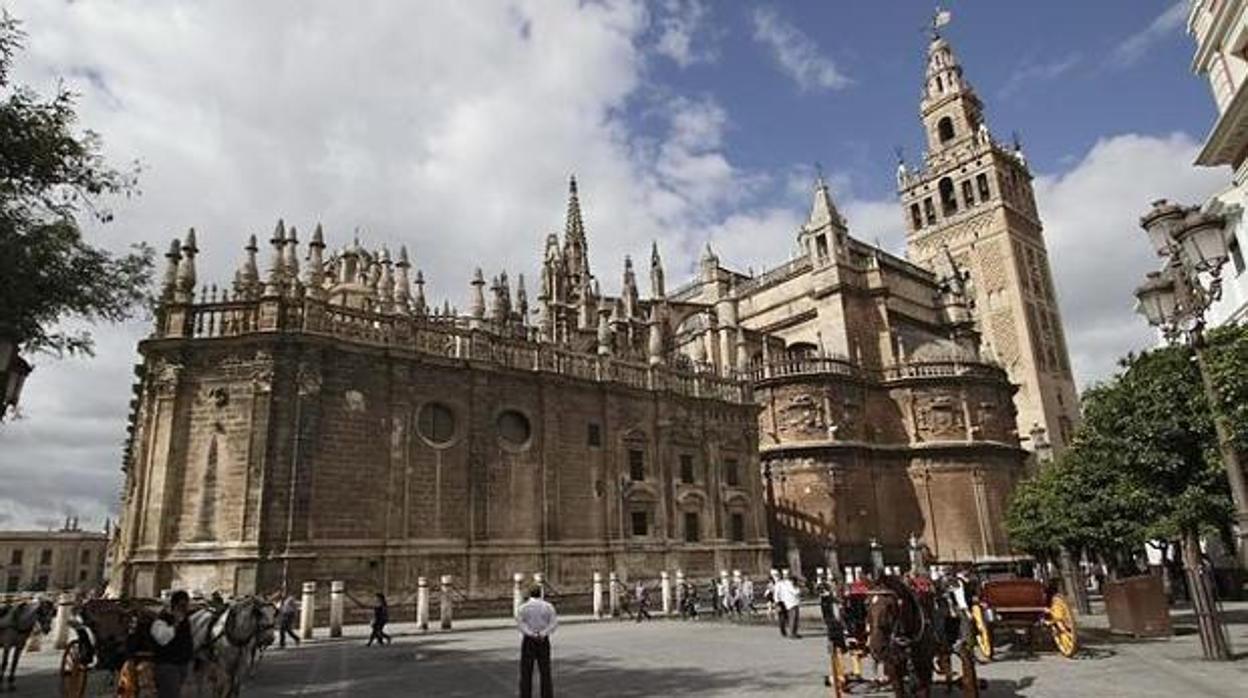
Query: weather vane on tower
point(940, 18)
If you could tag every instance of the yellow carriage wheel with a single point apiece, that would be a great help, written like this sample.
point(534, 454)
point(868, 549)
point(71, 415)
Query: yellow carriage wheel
point(73, 673)
point(1062, 624)
point(983, 634)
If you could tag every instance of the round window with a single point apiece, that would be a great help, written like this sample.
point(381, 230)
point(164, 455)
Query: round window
point(513, 428)
point(436, 423)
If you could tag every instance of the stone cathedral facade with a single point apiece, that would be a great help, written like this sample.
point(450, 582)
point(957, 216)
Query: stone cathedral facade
point(323, 421)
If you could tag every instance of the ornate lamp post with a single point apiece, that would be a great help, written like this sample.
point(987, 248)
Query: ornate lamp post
point(1193, 243)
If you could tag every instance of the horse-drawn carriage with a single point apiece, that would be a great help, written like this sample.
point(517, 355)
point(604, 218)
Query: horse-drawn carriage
point(111, 636)
point(1022, 606)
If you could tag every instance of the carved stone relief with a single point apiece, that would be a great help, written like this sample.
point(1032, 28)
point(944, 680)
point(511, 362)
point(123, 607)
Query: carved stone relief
point(939, 417)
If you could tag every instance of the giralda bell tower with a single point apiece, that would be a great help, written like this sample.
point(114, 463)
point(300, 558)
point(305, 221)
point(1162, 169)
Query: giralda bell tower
point(972, 207)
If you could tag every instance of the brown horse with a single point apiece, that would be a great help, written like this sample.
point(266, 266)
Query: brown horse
point(900, 636)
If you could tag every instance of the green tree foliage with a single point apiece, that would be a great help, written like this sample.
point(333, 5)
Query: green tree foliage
point(1227, 361)
point(52, 179)
point(1144, 463)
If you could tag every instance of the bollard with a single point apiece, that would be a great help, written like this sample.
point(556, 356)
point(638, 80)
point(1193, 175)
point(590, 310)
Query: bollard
point(307, 610)
point(517, 593)
point(598, 595)
point(336, 591)
point(60, 624)
point(422, 603)
point(665, 588)
point(445, 609)
point(680, 591)
point(539, 580)
point(614, 594)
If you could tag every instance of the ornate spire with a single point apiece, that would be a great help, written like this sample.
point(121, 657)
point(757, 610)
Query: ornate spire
point(273, 287)
point(657, 289)
point(522, 301)
point(248, 274)
point(385, 284)
point(477, 309)
point(169, 286)
point(315, 275)
point(576, 247)
point(823, 212)
point(654, 348)
point(606, 338)
point(418, 303)
point(186, 269)
point(291, 261)
point(628, 289)
point(402, 284)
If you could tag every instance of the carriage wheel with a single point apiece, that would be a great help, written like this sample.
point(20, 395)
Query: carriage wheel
point(1062, 623)
point(983, 634)
point(128, 680)
point(73, 672)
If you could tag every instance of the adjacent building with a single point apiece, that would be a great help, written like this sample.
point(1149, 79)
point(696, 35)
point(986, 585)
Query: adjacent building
point(1220, 28)
point(69, 559)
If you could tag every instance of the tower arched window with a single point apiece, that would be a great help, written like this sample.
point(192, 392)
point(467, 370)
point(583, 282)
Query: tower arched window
point(948, 198)
point(944, 128)
point(940, 85)
point(916, 217)
point(929, 211)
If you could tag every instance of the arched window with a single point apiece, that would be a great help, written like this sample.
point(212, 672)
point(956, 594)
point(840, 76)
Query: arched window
point(929, 211)
point(944, 129)
point(948, 199)
point(916, 217)
point(205, 525)
point(940, 84)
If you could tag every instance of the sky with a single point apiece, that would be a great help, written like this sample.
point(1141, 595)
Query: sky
point(452, 128)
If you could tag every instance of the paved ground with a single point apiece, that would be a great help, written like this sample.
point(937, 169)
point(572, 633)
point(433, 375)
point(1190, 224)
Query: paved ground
point(703, 659)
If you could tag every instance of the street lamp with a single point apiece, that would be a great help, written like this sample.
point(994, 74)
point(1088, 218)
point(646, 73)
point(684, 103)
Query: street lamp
point(1193, 243)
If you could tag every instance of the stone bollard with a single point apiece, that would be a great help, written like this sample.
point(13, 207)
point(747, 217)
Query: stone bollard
point(307, 611)
point(539, 580)
point(517, 592)
point(598, 595)
point(422, 603)
point(665, 589)
point(614, 594)
point(337, 589)
point(445, 606)
point(60, 624)
point(680, 590)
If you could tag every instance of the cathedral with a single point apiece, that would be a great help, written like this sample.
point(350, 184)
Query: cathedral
point(322, 421)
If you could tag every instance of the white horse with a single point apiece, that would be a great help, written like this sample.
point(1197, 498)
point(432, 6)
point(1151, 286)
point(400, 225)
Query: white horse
point(228, 641)
point(17, 622)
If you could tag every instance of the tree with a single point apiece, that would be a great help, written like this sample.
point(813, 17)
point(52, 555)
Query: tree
point(52, 177)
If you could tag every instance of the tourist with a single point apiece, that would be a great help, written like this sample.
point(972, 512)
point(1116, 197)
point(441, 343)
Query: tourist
point(713, 589)
point(286, 614)
point(788, 600)
point(641, 595)
point(381, 616)
point(689, 601)
point(536, 620)
point(747, 595)
point(174, 645)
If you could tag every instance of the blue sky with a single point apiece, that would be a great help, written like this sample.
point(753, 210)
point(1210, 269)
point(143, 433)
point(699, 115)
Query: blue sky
point(451, 128)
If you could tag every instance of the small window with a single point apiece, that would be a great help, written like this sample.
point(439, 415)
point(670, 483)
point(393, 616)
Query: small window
point(1237, 255)
point(916, 217)
point(968, 193)
point(732, 472)
point(636, 464)
point(593, 434)
point(737, 523)
point(929, 211)
point(15, 558)
point(12, 583)
point(513, 428)
point(945, 128)
point(821, 246)
point(86, 557)
point(41, 584)
point(948, 200)
point(981, 181)
point(686, 468)
point(82, 575)
point(45, 556)
point(641, 524)
point(436, 423)
point(693, 527)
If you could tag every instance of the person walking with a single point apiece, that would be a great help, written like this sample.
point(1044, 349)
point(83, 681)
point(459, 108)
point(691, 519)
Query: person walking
point(286, 614)
point(175, 647)
point(381, 616)
point(536, 620)
point(747, 595)
point(789, 599)
point(641, 595)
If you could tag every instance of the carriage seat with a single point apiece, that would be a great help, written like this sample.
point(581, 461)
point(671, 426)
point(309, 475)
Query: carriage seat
point(1015, 595)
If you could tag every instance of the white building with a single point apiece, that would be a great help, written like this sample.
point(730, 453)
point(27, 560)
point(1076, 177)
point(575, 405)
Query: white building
point(1220, 28)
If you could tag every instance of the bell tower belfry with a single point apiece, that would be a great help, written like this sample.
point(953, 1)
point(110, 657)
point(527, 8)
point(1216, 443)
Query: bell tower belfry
point(971, 205)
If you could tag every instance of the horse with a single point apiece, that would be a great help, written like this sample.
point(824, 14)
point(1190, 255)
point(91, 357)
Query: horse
point(17, 622)
point(228, 641)
point(900, 635)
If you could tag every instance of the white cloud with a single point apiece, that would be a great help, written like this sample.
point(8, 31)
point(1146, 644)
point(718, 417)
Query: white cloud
point(679, 24)
point(796, 53)
point(1031, 73)
point(449, 128)
point(1133, 48)
point(1098, 252)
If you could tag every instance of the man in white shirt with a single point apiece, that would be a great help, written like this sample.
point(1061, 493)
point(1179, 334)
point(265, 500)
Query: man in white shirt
point(536, 621)
point(789, 598)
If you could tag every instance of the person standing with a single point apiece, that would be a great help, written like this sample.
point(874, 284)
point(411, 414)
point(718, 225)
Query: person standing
point(174, 645)
point(286, 614)
point(789, 599)
point(536, 620)
point(747, 595)
point(641, 595)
